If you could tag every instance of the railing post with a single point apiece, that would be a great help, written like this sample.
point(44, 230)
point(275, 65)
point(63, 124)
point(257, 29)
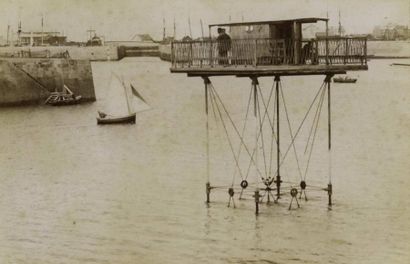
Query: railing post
point(172, 55)
point(255, 53)
point(365, 50)
point(347, 51)
point(211, 63)
point(201, 53)
point(327, 43)
point(190, 55)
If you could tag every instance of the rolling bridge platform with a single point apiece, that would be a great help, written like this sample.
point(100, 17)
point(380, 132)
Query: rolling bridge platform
point(262, 49)
point(269, 48)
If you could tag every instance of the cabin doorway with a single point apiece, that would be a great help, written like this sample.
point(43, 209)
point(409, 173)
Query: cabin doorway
point(281, 43)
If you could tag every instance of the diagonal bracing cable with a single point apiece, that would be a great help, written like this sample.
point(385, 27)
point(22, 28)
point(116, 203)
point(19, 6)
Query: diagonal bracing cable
point(301, 124)
point(215, 93)
point(290, 130)
point(259, 132)
point(313, 123)
point(243, 132)
point(214, 103)
point(314, 134)
point(273, 139)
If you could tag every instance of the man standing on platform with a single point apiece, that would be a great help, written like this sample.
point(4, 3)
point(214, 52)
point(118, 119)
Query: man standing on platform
point(224, 45)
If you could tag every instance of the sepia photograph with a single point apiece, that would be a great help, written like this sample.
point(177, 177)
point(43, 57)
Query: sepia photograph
point(204, 131)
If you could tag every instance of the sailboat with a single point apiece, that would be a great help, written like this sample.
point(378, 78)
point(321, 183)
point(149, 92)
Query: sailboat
point(118, 114)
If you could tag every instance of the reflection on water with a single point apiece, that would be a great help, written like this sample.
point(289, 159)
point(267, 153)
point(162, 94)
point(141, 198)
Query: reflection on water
point(74, 192)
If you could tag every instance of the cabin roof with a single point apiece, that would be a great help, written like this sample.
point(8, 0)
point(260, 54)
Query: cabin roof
point(300, 20)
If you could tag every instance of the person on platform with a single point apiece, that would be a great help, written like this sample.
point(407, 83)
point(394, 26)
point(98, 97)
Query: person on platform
point(224, 45)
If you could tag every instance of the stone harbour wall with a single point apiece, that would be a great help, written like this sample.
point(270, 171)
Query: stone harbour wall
point(29, 81)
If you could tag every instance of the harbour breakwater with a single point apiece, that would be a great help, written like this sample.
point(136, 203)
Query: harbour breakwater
point(97, 53)
point(29, 80)
point(29, 74)
point(138, 51)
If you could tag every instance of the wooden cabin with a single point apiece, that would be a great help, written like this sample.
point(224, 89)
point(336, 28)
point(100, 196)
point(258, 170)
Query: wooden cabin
point(282, 35)
point(268, 47)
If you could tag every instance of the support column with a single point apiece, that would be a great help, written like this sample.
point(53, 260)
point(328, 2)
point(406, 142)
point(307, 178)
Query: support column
point(278, 180)
point(329, 124)
point(257, 200)
point(207, 82)
point(255, 84)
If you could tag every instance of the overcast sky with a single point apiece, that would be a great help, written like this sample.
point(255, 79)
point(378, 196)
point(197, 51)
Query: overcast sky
point(120, 19)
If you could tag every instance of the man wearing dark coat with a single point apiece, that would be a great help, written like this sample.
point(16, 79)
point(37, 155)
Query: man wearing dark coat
point(224, 45)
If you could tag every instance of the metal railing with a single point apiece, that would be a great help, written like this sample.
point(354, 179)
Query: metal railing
point(343, 50)
point(259, 52)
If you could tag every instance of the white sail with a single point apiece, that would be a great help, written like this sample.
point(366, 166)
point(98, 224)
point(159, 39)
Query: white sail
point(137, 102)
point(115, 104)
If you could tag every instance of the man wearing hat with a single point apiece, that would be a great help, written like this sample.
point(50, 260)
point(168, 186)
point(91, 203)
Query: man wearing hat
point(224, 45)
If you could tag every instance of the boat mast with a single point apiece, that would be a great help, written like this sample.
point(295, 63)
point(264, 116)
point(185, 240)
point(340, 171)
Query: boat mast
point(8, 33)
point(202, 28)
point(175, 29)
point(190, 29)
point(42, 30)
point(340, 26)
point(126, 96)
point(163, 29)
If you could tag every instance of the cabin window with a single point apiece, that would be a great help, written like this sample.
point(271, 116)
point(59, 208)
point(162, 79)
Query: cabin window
point(249, 29)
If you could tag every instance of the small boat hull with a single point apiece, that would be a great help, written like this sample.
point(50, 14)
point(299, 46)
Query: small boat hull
point(129, 119)
point(65, 101)
point(342, 80)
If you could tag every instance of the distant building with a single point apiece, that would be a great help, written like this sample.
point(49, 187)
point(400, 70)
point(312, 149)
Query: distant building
point(94, 41)
point(41, 38)
point(166, 40)
point(143, 38)
point(391, 32)
point(136, 40)
point(378, 32)
point(128, 43)
point(402, 32)
point(186, 38)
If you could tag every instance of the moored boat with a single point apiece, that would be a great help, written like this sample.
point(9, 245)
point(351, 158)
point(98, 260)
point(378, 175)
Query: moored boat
point(344, 80)
point(129, 119)
point(66, 97)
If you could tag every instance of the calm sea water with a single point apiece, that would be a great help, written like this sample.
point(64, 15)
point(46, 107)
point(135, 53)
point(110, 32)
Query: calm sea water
point(75, 192)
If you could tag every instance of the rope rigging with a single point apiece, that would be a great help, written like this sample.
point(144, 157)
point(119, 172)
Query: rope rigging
point(315, 131)
point(273, 138)
point(290, 131)
point(259, 131)
point(242, 135)
point(224, 126)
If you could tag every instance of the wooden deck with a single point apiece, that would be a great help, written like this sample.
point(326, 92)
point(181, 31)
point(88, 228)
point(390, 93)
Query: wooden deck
point(271, 70)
